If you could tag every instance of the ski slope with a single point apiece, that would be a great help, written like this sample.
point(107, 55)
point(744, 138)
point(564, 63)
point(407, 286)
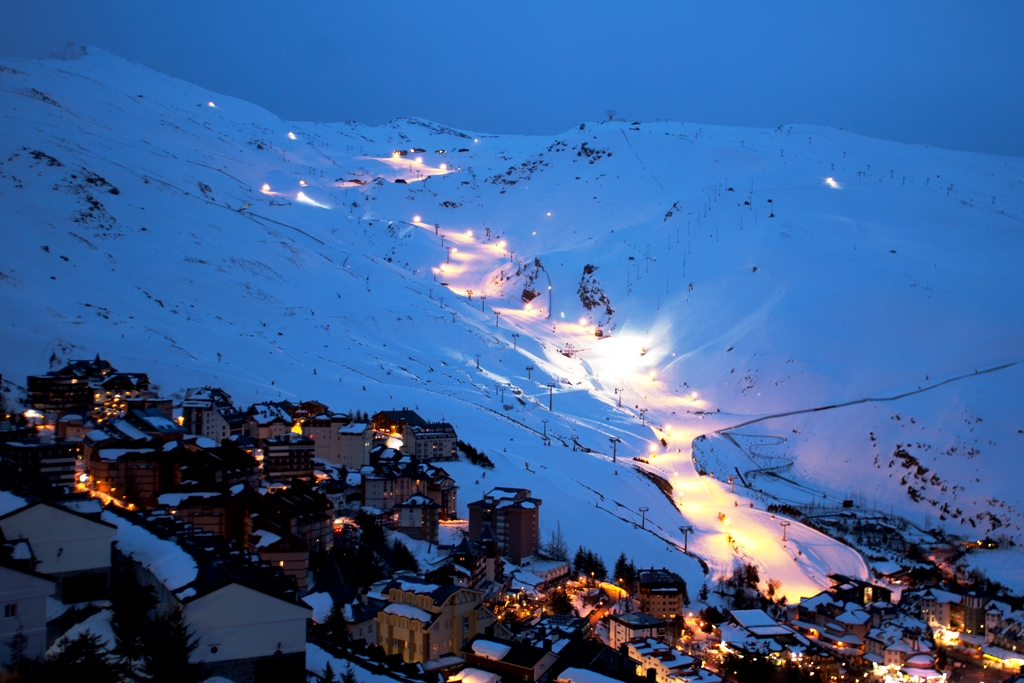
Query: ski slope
point(734, 273)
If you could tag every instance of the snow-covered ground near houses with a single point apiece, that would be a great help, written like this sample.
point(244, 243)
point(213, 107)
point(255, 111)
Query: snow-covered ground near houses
point(317, 660)
point(735, 274)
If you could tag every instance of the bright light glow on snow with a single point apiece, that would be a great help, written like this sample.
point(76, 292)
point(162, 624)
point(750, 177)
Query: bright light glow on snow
point(302, 183)
point(266, 188)
point(210, 104)
point(291, 136)
point(416, 219)
point(831, 182)
point(303, 199)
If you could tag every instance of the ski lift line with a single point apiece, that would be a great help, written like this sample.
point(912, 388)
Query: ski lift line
point(642, 165)
point(868, 400)
point(299, 230)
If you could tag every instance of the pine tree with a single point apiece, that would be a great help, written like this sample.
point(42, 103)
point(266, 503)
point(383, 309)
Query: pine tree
point(328, 675)
point(579, 561)
point(81, 659)
point(167, 651)
point(130, 602)
point(349, 676)
point(621, 569)
point(337, 624)
point(402, 557)
point(559, 602)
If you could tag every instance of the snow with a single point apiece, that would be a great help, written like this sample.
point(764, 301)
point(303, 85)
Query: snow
point(174, 499)
point(267, 538)
point(574, 675)
point(409, 612)
point(488, 649)
point(21, 550)
point(472, 675)
point(831, 314)
point(90, 506)
point(10, 502)
point(115, 453)
point(317, 659)
point(171, 565)
point(98, 624)
point(321, 604)
point(129, 430)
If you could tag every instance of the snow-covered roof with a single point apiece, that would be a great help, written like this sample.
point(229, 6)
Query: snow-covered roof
point(128, 429)
point(174, 499)
point(353, 428)
point(10, 502)
point(488, 649)
point(267, 538)
point(84, 506)
point(409, 612)
point(942, 596)
point(321, 604)
point(166, 560)
point(115, 453)
point(471, 675)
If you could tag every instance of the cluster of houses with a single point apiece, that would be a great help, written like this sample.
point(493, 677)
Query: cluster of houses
point(223, 511)
point(231, 513)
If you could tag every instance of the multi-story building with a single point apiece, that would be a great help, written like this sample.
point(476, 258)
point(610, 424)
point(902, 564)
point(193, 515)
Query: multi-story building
point(513, 516)
point(424, 622)
point(112, 394)
point(40, 461)
point(662, 593)
point(289, 456)
point(209, 412)
point(267, 421)
point(434, 441)
point(60, 394)
point(301, 511)
point(623, 628)
point(418, 518)
point(340, 440)
point(408, 432)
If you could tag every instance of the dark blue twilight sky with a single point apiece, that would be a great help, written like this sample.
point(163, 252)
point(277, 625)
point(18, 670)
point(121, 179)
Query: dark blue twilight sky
point(943, 73)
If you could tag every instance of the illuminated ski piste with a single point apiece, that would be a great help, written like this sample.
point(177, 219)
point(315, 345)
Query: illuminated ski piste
point(749, 272)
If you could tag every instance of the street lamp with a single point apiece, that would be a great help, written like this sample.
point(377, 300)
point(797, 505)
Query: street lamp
point(784, 524)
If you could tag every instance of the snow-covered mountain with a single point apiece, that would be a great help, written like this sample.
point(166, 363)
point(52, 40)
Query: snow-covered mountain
point(734, 274)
